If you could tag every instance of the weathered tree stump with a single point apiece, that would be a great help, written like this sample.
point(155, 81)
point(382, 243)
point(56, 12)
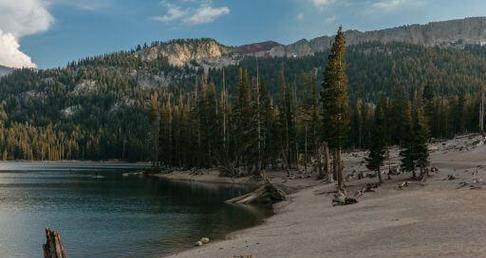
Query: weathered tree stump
point(341, 199)
point(266, 194)
point(53, 248)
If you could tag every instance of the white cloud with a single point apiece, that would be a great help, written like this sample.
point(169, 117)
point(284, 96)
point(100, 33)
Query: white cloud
point(86, 5)
point(392, 5)
point(173, 13)
point(20, 18)
point(202, 13)
point(322, 3)
point(207, 14)
point(24, 17)
point(331, 19)
point(10, 55)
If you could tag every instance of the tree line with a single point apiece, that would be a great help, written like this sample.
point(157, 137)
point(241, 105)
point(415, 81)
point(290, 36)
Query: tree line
point(248, 129)
point(96, 108)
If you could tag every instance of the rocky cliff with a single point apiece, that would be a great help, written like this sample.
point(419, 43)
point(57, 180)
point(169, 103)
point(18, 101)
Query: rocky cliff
point(210, 53)
point(206, 52)
point(454, 33)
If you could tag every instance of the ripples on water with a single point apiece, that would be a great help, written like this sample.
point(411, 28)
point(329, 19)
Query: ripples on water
point(111, 217)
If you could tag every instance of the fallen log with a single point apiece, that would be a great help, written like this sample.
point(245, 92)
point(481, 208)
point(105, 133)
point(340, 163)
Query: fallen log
point(451, 177)
point(369, 188)
point(341, 199)
point(472, 186)
point(266, 194)
point(53, 248)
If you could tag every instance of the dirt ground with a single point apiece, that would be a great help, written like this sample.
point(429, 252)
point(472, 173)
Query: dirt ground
point(442, 217)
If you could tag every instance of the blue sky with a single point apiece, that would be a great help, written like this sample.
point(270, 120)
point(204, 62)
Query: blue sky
point(50, 33)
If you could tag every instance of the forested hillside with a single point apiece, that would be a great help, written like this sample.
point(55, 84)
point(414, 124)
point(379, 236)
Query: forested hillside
point(98, 108)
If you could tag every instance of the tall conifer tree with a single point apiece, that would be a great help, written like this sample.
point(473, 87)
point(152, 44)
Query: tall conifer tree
point(377, 153)
point(334, 99)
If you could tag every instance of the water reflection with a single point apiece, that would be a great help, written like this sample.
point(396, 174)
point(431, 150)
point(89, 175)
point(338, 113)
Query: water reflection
point(114, 216)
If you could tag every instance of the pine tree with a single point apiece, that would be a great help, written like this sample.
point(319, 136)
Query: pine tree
point(308, 118)
point(399, 128)
point(415, 151)
point(377, 149)
point(286, 117)
point(242, 121)
point(334, 99)
point(407, 146)
point(420, 139)
point(154, 117)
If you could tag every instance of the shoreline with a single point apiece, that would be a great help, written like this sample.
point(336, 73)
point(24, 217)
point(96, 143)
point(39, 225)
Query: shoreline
point(205, 176)
point(211, 176)
point(436, 219)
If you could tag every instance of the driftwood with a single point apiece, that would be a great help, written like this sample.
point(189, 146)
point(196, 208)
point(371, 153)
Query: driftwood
point(53, 248)
point(369, 188)
point(473, 186)
point(341, 199)
point(451, 177)
point(266, 194)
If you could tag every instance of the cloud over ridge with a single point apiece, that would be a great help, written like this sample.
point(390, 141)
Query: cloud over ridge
point(19, 18)
point(203, 13)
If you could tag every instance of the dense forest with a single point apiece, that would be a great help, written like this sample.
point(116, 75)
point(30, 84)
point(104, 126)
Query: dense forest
point(109, 107)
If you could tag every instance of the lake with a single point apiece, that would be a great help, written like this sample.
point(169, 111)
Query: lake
point(101, 213)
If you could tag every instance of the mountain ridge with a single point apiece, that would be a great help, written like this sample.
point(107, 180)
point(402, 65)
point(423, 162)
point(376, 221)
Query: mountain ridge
point(4, 70)
point(211, 53)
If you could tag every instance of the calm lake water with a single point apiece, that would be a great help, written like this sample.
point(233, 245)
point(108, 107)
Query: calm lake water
point(110, 217)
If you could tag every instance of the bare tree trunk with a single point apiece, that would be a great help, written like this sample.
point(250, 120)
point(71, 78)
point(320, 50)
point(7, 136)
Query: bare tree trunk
point(259, 120)
point(339, 169)
point(481, 111)
point(324, 164)
point(327, 163)
point(306, 157)
point(378, 173)
point(53, 248)
point(334, 166)
point(156, 141)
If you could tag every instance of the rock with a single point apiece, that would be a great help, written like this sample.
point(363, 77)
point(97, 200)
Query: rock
point(448, 33)
point(403, 185)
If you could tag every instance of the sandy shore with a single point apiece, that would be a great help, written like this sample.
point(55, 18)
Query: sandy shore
point(212, 176)
point(436, 219)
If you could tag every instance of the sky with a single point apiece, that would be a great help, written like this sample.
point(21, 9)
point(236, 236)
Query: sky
point(51, 33)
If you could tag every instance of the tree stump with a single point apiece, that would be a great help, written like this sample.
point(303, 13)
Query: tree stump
point(53, 248)
point(267, 194)
point(341, 199)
